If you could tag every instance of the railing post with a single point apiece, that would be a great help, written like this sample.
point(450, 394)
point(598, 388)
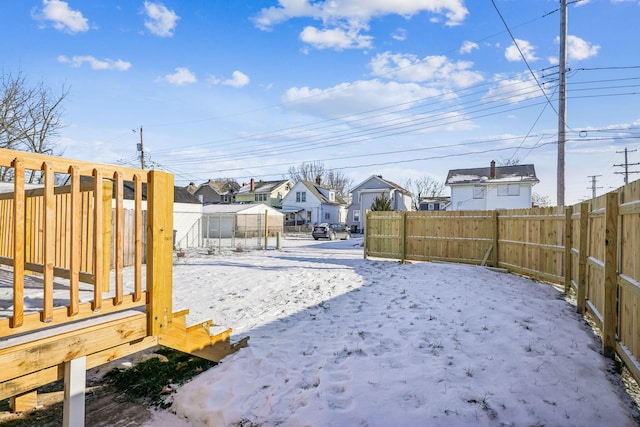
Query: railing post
point(106, 227)
point(159, 250)
point(18, 244)
point(582, 257)
point(610, 276)
point(568, 245)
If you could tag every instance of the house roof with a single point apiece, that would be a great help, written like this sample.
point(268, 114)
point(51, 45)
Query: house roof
point(219, 187)
point(379, 178)
point(314, 188)
point(262, 186)
point(180, 194)
point(505, 174)
point(241, 208)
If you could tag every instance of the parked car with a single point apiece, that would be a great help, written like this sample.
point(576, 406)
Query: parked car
point(331, 231)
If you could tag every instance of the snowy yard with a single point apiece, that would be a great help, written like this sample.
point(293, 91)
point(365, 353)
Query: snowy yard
point(337, 340)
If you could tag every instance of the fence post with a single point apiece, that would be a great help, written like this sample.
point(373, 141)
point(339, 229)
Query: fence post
point(610, 275)
point(582, 257)
point(365, 224)
point(403, 237)
point(159, 250)
point(495, 224)
point(266, 228)
point(568, 245)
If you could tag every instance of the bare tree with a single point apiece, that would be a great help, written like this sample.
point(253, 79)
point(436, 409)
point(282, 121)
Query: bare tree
point(312, 171)
point(540, 201)
point(508, 162)
point(422, 187)
point(30, 117)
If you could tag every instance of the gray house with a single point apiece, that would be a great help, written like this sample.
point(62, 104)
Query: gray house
point(363, 195)
point(214, 191)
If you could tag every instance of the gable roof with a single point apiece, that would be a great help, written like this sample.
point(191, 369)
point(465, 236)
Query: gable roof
point(180, 194)
point(314, 188)
point(379, 178)
point(261, 186)
point(220, 188)
point(506, 174)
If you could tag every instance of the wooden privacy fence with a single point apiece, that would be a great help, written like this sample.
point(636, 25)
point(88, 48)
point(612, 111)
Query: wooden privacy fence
point(591, 248)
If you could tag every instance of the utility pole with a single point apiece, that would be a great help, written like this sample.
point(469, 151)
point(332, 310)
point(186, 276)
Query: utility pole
point(593, 185)
point(626, 165)
point(562, 100)
point(141, 150)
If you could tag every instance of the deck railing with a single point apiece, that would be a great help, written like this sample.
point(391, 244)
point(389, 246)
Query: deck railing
point(66, 229)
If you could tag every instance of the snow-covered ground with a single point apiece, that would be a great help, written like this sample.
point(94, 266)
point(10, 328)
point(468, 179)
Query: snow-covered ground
point(337, 340)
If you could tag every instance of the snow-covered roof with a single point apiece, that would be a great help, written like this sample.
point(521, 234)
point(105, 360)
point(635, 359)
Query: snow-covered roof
point(502, 174)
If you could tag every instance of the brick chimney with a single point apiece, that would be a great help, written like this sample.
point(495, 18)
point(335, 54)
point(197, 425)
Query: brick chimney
point(492, 172)
point(252, 185)
point(318, 180)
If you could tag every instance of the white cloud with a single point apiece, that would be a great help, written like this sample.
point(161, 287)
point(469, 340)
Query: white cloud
point(160, 20)
point(180, 77)
point(528, 51)
point(345, 20)
point(434, 69)
point(335, 38)
point(353, 98)
point(468, 47)
point(513, 90)
point(238, 79)
point(400, 34)
point(331, 10)
point(578, 49)
point(63, 18)
point(95, 64)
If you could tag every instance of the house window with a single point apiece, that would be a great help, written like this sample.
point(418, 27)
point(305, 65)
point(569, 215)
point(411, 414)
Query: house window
point(478, 192)
point(508, 190)
point(356, 216)
point(260, 197)
point(301, 196)
point(431, 207)
point(327, 216)
point(332, 196)
point(308, 216)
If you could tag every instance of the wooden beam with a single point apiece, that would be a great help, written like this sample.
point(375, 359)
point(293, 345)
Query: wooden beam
point(568, 245)
point(76, 244)
point(583, 256)
point(159, 250)
point(33, 322)
point(45, 376)
point(18, 244)
point(610, 276)
point(53, 347)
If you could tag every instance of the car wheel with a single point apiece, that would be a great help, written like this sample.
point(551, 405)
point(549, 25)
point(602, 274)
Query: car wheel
point(315, 238)
point(347, 237)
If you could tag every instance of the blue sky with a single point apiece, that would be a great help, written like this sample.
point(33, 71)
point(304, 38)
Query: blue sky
point(402, 88)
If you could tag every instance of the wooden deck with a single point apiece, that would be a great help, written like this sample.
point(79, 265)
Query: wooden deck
point(60, 305)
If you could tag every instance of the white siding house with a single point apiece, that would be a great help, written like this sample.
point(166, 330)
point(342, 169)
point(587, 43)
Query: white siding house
point(493, 187)
point(313, 203)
